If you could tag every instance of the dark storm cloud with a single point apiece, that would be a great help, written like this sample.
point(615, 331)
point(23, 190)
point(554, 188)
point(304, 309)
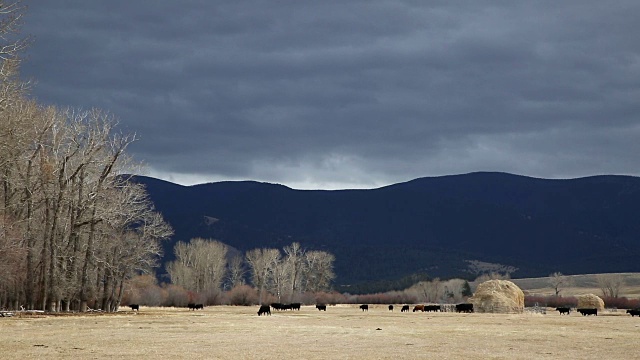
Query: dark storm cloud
point(351, 94)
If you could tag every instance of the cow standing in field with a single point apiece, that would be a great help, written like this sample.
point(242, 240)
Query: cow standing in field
point(364, 307)
point(418, 308)
point(586, 312)
point(634, 312)
point(321, 307)
point(191, 306)
point(563, 310)
point(134, 307)
point(465, 308)
point(295, 306)
point(276, 306)
point(199, 307)
point(264, 309)
point(390, 307)
point(434, 308)
point(405, 308)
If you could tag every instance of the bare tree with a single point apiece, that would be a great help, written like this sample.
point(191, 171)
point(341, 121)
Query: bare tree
point(559, 281)
point(62, 191)
point(12, 89)
point(200, 265)
point(318, 270)
point(262, 264)
point(236, 272)
point(610, 284)
point(294, 268)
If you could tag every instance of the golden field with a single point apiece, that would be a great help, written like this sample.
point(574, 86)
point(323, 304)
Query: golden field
point(343, 332)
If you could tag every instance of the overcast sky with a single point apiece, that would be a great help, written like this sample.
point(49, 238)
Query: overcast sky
point(350, 94)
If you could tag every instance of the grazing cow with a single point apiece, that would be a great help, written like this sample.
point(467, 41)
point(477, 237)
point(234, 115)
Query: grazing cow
point(199, 306)
point(465, 308)
point(321, 307)
point(563, 310)
point(191, 306)
point(418, 308)
point(364, 307)
point(390, 307)
point(264, 309)
point(135, 307)
point(586, 312)
point(286, 307)
point(405, 308)
point(295, 306)
point(634, 312)
point(276, 306)
point(434, 308)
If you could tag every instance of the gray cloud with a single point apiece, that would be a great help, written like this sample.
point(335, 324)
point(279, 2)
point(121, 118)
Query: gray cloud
point(351, 94)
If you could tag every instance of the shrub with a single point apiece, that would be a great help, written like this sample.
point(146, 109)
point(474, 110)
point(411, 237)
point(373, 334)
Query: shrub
point(391, 297)
point(213, 297)
point(176, 296)
point(243, 295)
point(330, 298)
point(621, 302)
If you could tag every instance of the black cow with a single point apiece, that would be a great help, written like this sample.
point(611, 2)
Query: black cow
point(191, 306)
point(586, 312)
point(405, 308)
point(321, 307)
point(634, 312)
point(563, 310)
point(286, 307)
point(199, 307)
point(465, 308)
point(135, 307)
point(264, 309)
point(390, 307)
point(434, 308)
point(364, 307)
point(276, 306)
point(295, 306)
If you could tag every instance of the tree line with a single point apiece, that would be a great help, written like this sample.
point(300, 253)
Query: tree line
point(73, 229)
point(206, 267)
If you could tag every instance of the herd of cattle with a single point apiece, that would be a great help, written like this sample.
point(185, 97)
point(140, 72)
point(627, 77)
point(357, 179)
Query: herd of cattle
point(587, 312)
point(460, 308)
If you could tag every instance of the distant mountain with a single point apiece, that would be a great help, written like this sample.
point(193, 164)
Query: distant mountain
point(434, 225)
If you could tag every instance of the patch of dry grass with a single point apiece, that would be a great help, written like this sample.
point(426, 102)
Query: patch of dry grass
point(580, 284)
point(343, 332)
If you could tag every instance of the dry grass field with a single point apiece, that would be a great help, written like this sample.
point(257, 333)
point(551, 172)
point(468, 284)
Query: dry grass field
point(579, 285)
point(343, 332)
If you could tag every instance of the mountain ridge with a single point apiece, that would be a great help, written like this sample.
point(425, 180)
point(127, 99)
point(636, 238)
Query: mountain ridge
point(426, 225)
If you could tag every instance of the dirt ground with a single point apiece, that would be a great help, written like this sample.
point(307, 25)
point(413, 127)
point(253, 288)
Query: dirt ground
point(343, 332)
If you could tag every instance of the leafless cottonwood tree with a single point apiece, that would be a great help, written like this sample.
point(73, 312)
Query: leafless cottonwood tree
point(293, 268)
point(559, 281)
point(286, 277)
point(610, 284)
point(200, 265)
point(66, 208)
point(236, 272)
point(262, 264)
point(317, 271)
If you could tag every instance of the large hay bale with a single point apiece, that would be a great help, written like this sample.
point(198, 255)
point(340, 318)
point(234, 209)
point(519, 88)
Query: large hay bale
point(590, 301)
point(498, 296)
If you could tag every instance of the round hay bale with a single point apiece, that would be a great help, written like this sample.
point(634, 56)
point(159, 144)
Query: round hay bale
point(498, 296)
point(590, 301)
